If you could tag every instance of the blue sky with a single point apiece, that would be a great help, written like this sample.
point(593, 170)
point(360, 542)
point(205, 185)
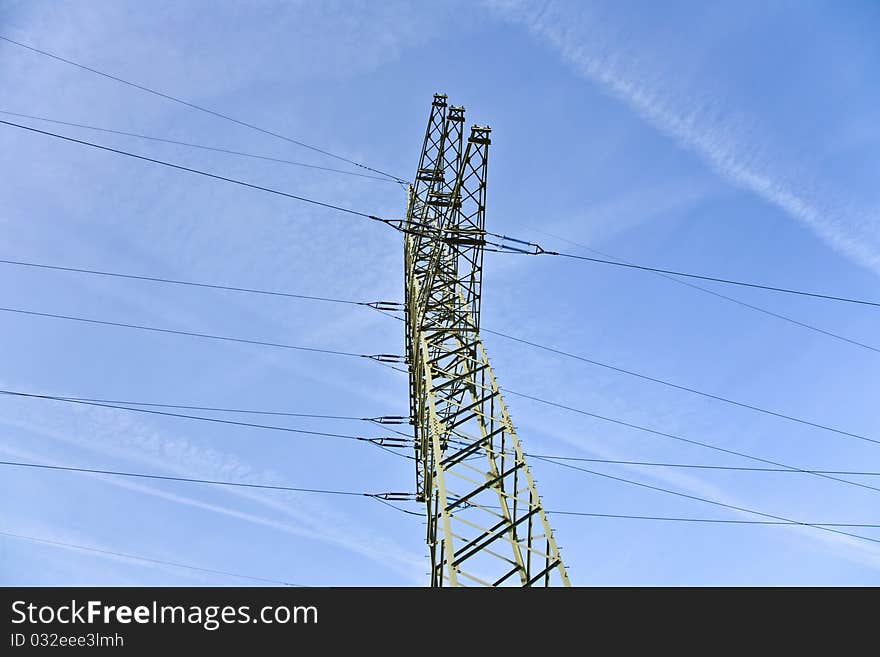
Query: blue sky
point(737, 139)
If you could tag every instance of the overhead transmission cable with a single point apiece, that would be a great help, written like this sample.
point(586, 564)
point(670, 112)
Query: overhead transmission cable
point(214, 149)
point(409, 497)
point(676, 437)
point(782, 467)
point(707, 500)
point(388, 305)
point(200, 108)
point(739, 302)
point(150, 560)
point(394, 223)
point(670, 384)
point(391, 306)
point(392, 358)
point(381, 441)
point(193, 480)
point(646, 377)
point(402, 226)
point(393, 442)
point(685, 519)
point(199, 172)
point(382, 420)
point(715, 279)
point(621, 261)
point(705, 466)
point(537, 250)
point(387, 358)
point(718, 521)
point(501, 246)
point(829, 475)
point(376, 305)
point(379, 419)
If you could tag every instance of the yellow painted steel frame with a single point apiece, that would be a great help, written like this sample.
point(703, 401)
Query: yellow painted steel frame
point(486, 523)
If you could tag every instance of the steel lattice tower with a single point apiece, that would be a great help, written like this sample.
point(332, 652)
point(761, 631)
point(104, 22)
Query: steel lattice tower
point(486, 524)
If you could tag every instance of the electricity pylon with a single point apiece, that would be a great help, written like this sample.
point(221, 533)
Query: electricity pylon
point(486, 523)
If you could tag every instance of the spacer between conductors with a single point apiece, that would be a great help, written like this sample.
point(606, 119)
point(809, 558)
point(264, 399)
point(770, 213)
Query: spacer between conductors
point(388, 419)
point(390, 441)
point(393, 497)
point(385, 358)
point(385, 305)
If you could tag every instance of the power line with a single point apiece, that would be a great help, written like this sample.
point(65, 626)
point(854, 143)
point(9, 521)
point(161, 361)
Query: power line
point(379, 441)
point(501, 246)
point(395, 224)
point(689, 441)
point(200, 172)
point(141, 327)
point(200, 108)
point(397, 508)
point(647, 378)
point(385, 497)
point(383, 420)
point(189, 480)
point(537, 249)
point(214, 149)
point(380, 419)
point(706, 500)
point(385, 305)
point(738, 302)
point(783, 467)
point(394, 419)
point(789, 468)
point(656, 432)
point(697, 466)
point(388, 304)
point(727, 281)
point(376, 305)
point(151, 560)
point(501, 334)
point(720, 521)
point(689, 389)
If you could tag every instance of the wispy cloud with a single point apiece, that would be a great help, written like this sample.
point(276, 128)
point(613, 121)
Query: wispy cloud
point(841, 546)
point(836, 546)
point(248, 238)
point(117, 435)
point(697, 122)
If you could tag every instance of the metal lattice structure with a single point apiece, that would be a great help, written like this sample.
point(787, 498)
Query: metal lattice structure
point(486, 524)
